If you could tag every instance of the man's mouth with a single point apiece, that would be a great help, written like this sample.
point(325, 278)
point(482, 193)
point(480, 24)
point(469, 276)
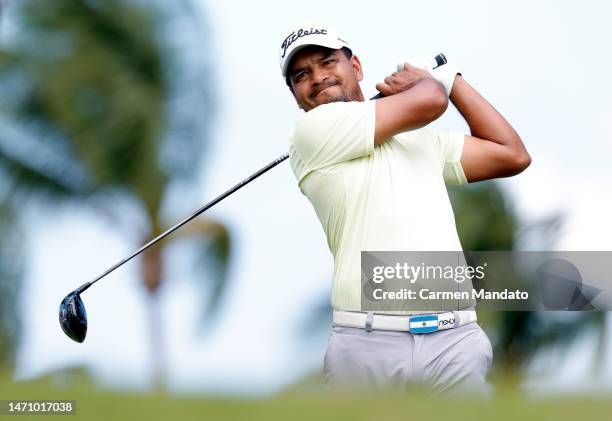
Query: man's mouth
point(316, 93)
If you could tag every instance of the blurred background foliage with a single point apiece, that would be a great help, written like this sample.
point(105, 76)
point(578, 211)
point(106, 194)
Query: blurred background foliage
point(11, 267)
point(487, 221)
point(103, 104)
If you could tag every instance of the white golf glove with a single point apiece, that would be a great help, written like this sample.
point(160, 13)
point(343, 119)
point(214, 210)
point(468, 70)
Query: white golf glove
point(445, 74)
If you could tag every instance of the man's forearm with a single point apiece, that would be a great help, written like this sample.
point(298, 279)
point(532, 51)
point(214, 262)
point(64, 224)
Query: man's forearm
point(484, 120)
point(410, 109)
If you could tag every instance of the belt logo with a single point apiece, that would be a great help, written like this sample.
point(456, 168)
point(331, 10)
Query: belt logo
point(446, 322)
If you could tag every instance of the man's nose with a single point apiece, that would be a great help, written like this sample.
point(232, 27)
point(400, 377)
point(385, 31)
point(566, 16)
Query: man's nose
point(319, 76)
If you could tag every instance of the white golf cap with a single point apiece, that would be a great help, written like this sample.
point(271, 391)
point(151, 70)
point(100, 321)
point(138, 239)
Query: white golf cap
point(304, 34)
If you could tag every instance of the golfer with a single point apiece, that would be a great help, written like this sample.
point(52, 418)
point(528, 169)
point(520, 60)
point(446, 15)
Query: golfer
point(375, 176)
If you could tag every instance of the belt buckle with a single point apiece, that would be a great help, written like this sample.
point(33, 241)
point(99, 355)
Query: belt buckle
point(423, 324)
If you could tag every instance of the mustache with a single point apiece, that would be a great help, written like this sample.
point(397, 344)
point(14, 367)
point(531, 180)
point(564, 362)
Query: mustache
point(323, 87)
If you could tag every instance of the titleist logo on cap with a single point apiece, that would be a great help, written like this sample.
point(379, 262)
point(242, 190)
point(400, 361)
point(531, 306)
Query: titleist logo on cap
point(300, 33)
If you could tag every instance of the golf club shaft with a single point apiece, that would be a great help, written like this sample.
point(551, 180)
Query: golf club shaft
point(189, 218)
point(440, 59)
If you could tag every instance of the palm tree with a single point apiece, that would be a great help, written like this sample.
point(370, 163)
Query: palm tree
point(108, 106)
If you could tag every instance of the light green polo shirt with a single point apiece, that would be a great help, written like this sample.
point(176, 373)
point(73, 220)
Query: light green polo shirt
point(388, 197)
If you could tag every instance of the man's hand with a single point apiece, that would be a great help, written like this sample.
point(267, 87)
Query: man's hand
point(402, 80)
point(445, 73)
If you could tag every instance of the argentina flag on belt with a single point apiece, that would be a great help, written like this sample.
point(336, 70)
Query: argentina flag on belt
point(423, 324)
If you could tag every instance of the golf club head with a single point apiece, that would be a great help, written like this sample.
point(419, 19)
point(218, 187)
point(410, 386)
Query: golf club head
point(72, 316)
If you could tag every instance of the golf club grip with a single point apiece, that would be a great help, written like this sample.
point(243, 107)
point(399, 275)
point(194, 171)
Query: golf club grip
point(189, 218)
point(440, 61)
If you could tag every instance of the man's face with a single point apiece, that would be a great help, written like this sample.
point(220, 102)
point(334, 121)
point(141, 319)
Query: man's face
point(320, 75)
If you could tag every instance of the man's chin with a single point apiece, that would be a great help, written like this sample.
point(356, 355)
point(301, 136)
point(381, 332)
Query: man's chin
point(328, 99)
point(323, 98)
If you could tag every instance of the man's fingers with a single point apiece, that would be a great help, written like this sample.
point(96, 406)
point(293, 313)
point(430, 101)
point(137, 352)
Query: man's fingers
point(391, 80)
point(384, 89)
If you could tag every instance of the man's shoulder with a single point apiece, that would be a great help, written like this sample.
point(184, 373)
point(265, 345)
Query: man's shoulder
point(330, 119)
point(334, 110)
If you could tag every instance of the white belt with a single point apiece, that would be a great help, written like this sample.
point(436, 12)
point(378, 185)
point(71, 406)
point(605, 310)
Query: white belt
point(420, 323)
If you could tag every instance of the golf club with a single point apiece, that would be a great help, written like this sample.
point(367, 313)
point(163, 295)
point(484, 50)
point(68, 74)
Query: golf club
point(72, 315)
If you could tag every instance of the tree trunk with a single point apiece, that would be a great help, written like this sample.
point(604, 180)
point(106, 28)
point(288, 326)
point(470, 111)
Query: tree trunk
point(151, 270)
point(159, 377)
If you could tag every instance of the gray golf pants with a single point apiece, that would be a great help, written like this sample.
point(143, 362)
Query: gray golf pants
point(453, 360)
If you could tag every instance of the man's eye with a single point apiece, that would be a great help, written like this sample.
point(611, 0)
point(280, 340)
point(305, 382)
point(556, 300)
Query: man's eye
point(299, 76)
point(328, 61)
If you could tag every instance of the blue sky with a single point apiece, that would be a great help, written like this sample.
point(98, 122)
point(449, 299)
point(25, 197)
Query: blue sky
point(542, 64)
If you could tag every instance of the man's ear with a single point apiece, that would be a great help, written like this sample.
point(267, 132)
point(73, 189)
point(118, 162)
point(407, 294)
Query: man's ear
point(356, 65)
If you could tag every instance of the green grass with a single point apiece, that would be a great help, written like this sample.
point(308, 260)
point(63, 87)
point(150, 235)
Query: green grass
point(94, 404)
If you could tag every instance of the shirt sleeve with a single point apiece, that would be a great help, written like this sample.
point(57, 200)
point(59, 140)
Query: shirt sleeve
point(449, 146)
point(335, 133)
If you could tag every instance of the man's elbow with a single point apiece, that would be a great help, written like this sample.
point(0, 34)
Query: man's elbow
point(521, 160)
point(437, 100)
point(524, 161)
